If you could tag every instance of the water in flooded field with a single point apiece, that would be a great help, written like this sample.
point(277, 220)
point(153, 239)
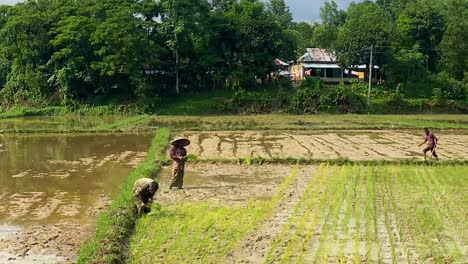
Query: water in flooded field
point(46, 179)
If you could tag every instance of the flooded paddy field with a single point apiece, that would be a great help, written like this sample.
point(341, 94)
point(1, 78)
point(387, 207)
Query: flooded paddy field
point(307, 214)
point(323, 145)
point(53, 186)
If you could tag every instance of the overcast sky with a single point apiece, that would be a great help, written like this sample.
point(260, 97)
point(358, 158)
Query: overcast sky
point(302, 10)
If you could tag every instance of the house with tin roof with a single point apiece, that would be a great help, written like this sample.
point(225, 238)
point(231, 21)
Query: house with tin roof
point(317, 62)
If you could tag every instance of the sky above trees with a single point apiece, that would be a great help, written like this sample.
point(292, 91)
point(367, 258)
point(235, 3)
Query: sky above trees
point(302, 10)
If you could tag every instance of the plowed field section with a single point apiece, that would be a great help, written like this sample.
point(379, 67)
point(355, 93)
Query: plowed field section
point(354, 145)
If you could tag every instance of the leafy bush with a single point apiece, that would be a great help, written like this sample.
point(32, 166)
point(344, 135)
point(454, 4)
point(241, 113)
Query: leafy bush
point(247, 102)
point(306, 100)
point(453, 89)
point(312, 83)
point(341, 99)
point(438, 97)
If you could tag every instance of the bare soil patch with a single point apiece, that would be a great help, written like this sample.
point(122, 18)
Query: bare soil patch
point(323, 145)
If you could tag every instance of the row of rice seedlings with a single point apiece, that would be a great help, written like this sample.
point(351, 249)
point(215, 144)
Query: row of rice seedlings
point(299, 209)
point(371, 214)
point(307, 250)
point(407, 191)
point(449, 199)
point(386, 209)
point(359, 214)
point(331, 219)
point(449, 235)
point(435, 221)
point(302, 224)
point(342, 237)
point(454, 190)
point(400, 218)
point(420, 215)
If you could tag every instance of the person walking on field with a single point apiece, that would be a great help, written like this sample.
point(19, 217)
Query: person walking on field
point(143, 192)
point(178, 154)
point(431, 141)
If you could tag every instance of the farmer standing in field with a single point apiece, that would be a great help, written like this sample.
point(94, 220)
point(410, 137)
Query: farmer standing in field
point(431, 140)
point(143, 192)
point(177, 154)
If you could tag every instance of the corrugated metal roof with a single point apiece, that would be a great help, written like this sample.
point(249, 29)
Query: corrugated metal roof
point(321, 65)
point(279, 62)
point(318, 55)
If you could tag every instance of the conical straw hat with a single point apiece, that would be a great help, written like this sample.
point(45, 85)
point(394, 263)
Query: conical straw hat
point(180, 142)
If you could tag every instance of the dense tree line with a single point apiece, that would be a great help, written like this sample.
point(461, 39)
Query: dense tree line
point(64, 51)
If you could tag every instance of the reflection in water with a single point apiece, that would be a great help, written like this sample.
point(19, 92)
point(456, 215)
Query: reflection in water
point(49, 178)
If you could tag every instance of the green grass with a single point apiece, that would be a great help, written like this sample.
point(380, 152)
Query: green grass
point(138, 123)
point(115, 224)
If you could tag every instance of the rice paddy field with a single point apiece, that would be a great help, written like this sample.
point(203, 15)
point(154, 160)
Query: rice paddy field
point(309, 214)
point(279, 189)
point(387, 206)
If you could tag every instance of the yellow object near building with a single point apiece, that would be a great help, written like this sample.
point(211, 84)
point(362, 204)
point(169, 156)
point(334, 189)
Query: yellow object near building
point(361, 75)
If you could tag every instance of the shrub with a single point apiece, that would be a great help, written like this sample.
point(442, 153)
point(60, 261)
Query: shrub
point(312, 83)
point(453, 89)
point(341, 99)
point(306, 100)
point(438, 97)
point(247, 102)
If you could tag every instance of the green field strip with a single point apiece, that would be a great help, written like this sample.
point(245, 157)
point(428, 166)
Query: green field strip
point(311, 241)
point(297, 239)
point(331, 220)
point(442, 219)
point(305, 248)
point(341, 236)
point(422, 217)
point(388, 238)
point(359, 214)
point(371, 216)
point(402, 251)
point(300, 211)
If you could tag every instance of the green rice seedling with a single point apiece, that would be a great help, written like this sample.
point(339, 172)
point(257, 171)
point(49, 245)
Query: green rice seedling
point(359, 203)
point(332, 218)
point(287, 229)
point(319, 213)
point(303, 223)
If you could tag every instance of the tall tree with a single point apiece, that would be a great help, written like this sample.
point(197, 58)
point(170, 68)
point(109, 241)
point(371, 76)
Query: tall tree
point(454, 45)
point(423, 24)
point(366, 24)
point(281, 13)
point(326, 33)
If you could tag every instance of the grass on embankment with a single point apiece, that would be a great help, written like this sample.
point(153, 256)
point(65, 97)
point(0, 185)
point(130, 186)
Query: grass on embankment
point(311, 122)
point(116, 223)
point(139, 123)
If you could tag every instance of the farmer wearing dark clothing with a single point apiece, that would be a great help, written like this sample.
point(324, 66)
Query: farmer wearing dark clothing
point(431, 141)
point(177, 154)
point(143, 192)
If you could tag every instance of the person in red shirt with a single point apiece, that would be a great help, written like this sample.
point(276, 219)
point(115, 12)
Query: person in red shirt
point(177, 154)
point(431, 141)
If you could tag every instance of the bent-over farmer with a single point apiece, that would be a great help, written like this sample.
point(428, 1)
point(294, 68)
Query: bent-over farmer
point(143, 192)
point(177, 154)
point(431, 141)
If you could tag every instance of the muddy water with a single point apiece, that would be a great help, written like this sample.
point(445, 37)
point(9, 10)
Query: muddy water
point(53, 186)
